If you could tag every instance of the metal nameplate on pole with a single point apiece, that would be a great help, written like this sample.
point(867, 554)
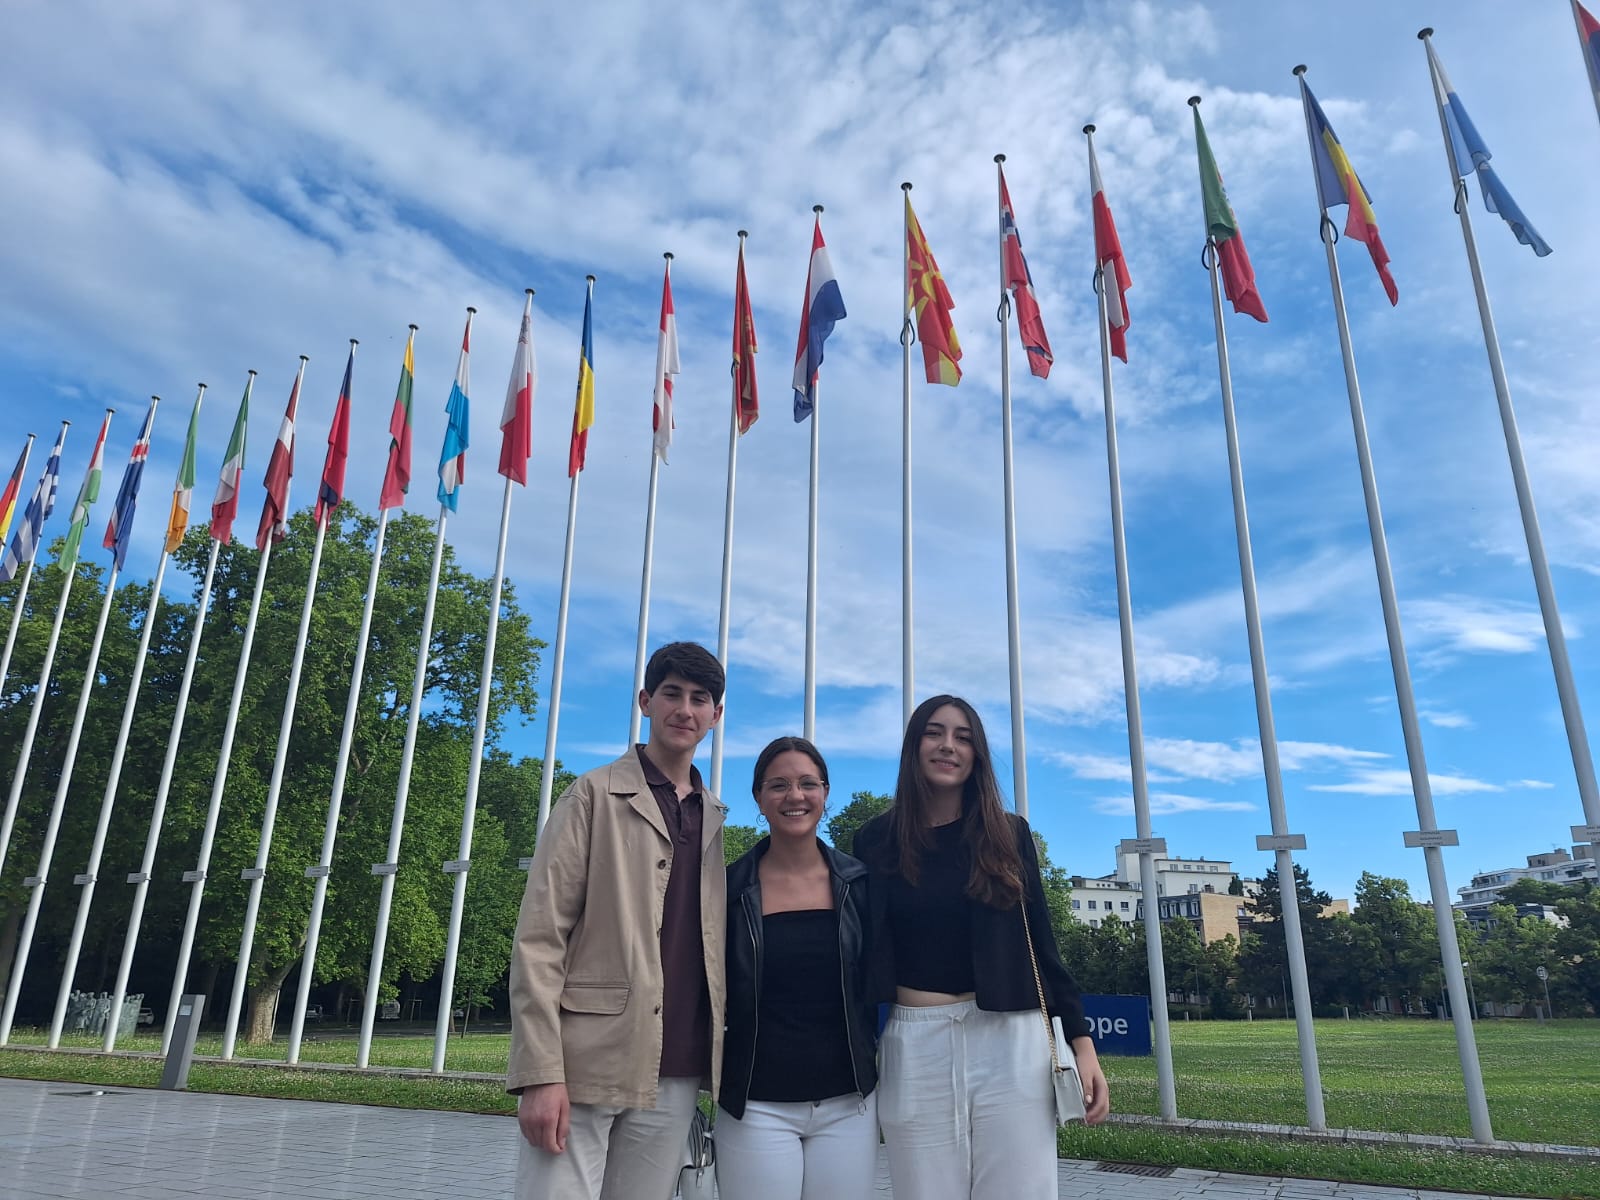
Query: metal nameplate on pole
point(1280, 841)
point(139, 877)
point(33, 881)
point(385, 868)
point(253, 873)
point(82, 880)
point(180, 1050)
point(525, 863)
point(188, 877)
point(457, 866)
point(1152, 845)
point(1586, 833)
point(320, 871)
point(1418, 838)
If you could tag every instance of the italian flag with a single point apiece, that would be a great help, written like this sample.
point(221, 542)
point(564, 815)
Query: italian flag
point(225, 507)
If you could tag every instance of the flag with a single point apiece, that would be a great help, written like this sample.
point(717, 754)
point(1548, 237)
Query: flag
point(397, 474)
point(225, 505)
point(1222, 227)
point(453, 456)
point(1019, 281)
point(87, 495)
point(280, 469)
point(516, 418)
point(331, 490)
point(666, 367)
point(183, 487)
point(1338, 183)
point(120, 528)
point(1113, 268)
point(1469, 156)
point(8, 498)
point(745, 400)
point(927, 293)
point(1589, 36)
point(40, 505)
point(583, 405)
point(822, 310)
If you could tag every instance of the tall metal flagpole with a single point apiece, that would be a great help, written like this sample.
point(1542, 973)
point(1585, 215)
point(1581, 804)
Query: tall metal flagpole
point(1555, 637)
point(1429, 836)
point(1594, 81)
point(635, 717)
point(547, 775)
point(810, 716)
point(257, 874)
point(458, 867)
point(8, 822)
point(908, 682)
point(723, 612)
point(107, 801)
point(1145, 846)
point(41, 876)
point(1281, 842)
point(1019, 745)
point(22, 588)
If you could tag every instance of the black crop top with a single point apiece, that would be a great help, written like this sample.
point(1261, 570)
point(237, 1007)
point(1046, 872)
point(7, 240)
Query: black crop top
point(930, 923)
point(802, 1049)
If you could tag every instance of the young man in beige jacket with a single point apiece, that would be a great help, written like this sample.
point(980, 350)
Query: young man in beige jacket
point(616, 970)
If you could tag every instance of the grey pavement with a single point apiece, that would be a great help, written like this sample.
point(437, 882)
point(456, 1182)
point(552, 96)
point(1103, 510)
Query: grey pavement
point(72, 1140)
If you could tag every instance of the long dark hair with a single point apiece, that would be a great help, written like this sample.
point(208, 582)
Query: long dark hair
point(996, 877)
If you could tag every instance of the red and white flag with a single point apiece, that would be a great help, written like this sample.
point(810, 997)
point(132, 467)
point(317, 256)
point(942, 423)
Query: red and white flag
point(1108, 258)
point(280, 469)
point(516, 419)
point(666, 367)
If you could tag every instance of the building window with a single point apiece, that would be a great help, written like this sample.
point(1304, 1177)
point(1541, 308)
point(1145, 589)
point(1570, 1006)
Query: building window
point(1076, 903)
point(1124, 904)
point(1093, 905)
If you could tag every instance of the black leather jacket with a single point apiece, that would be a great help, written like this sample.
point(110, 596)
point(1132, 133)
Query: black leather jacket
point(744, 963)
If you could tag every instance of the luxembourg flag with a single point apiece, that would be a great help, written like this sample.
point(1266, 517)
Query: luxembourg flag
point(453, 455)
point(823, 309)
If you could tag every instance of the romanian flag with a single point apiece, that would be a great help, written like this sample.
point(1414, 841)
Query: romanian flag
point(516, 418)
point(1338, 183)
point(583, 404)
point(1470, 156)
point(87, 495)
point(120, 528)
point(746, 402)
point(1113, 268)
point(1019, 281)
point(280, 469)
point(331, 490)
point(8, 498)
point(927, 294)
point(397, 474)
point(1222, 228)
point(183, 488)
point(453, 454)
point(667, 366)
point(225, 505)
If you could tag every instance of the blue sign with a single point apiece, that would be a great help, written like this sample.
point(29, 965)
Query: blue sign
point(1119, 1024)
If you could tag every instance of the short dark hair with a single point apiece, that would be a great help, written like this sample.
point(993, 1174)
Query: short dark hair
point(780, 746)
point(692, 661)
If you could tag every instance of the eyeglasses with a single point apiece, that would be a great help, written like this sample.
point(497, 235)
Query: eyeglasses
point(777, 788)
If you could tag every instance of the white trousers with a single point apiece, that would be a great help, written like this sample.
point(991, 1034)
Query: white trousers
point(615, 1153)
point(799, 1150)
point(966, 1104)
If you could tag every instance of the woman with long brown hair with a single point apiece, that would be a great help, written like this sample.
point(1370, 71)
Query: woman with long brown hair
point(966, 1102)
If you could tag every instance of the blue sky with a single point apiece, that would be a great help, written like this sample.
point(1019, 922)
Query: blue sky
point(197, 190)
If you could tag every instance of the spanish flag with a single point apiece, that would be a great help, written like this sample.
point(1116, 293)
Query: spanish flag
point(927, 294)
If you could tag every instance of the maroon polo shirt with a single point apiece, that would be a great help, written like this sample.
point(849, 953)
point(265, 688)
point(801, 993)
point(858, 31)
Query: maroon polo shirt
point(686, 1002)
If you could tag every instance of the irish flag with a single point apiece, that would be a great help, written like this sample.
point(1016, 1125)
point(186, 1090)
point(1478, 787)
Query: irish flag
point(183, 489)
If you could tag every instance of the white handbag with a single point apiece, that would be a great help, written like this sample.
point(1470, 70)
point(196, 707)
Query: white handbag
point(1063, 1063)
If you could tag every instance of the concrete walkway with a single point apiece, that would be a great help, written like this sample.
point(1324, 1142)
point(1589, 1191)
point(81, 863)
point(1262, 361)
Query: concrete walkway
point(73, 1140)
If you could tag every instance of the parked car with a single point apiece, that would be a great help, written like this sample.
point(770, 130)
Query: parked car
point(146, 1017)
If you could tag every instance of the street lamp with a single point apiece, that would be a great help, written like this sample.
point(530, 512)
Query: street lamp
point(1471, 991)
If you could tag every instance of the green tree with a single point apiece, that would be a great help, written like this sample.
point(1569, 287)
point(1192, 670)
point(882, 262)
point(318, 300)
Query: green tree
point(1404, 943)
point(738, 839)
point(863, 806)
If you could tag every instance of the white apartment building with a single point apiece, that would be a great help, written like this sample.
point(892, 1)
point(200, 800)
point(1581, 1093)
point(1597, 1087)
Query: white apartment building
point(1552, 866)
point(1119, 894)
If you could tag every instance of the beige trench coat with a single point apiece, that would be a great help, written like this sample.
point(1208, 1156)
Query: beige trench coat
point(586, 976)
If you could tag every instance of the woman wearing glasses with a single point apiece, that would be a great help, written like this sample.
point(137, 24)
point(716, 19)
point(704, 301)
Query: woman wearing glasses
point(798, 1068)
point(967, 1105)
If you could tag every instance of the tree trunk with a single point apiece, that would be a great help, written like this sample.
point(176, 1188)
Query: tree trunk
point(263, 1000)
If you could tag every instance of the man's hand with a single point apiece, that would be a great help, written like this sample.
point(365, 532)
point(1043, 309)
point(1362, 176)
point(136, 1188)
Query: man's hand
point(545, 1115)
point(1096, 1095)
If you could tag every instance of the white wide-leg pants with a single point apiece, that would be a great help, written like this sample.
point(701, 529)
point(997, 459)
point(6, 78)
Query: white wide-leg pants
point(799, 1150)
point(615, 1153)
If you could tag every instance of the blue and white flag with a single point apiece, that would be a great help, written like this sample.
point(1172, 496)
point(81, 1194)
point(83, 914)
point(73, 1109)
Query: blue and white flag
point(38, 512)
point(453, 456)
point(824, 308)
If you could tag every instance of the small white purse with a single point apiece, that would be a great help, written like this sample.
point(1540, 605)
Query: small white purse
point(1063, 1063)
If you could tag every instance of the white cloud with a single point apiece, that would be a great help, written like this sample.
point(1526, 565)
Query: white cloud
point(1372, 781)
point(1169, 803)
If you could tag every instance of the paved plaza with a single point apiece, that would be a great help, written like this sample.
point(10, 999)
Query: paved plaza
point(73, 1140)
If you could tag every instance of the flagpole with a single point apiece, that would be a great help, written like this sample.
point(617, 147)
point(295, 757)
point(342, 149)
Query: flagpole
point(723, 612)
point(810, 714)
point(8, 822)
point(635, 716)
point(1146, 845)
point(22, 596)
point(907, 334)
point(1555, 636)
point(387, 869)
point(141, 879)
point(458, 867)
point(1019, 751)
point(1430, 837)
point(547, 775)
point(97, 847)
point(52, 827)
point(257, 874)
point(1588, 66)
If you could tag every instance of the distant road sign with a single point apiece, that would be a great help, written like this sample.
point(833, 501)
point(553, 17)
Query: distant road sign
point(1542, 973)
